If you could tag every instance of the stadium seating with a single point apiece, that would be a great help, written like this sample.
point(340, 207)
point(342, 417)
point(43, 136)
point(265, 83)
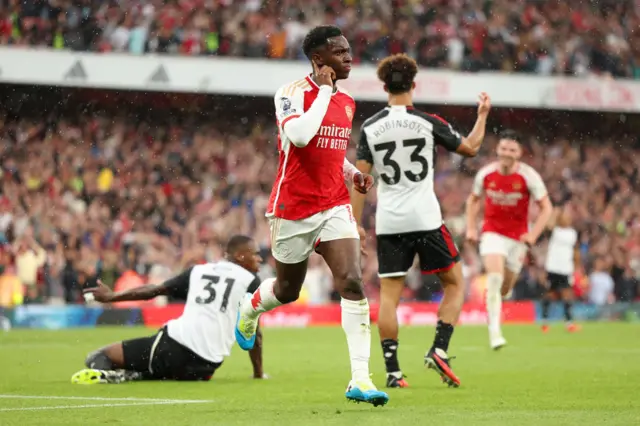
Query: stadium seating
point(114, 192)
point(543, 37)
point(103, 194)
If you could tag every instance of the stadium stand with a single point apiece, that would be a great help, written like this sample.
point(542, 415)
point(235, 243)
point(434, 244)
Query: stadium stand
point(543, 37)
point(139, 185)
point(120, 188)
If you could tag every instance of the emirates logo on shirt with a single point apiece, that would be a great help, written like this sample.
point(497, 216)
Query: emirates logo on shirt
point(333, 137)
point(505, 198)
point(349, 111)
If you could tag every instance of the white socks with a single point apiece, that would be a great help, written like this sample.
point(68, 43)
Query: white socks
point(494, 303)
point(357, 326)
point(263, 300)
point(355, 323)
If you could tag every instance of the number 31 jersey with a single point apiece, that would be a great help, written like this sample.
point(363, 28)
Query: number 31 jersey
point(401, 143)
point(213, 292)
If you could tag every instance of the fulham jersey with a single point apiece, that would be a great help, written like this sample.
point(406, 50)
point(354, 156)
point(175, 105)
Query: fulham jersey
point(311, 179)
point(507, 198)
point(401, 144)
point(213, 292)
point(560, 251)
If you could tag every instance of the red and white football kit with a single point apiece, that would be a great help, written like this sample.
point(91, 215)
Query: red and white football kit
point(309, 201)
point(506, 210)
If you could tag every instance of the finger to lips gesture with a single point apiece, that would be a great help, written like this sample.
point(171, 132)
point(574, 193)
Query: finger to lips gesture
point(323, 75)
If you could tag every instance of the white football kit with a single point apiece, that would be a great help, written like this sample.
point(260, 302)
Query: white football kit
point(400, 142)
point(213, 292)
point(560, 251)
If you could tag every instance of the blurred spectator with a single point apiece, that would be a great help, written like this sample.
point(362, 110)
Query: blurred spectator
point(11, 289)
point(29, 257)
point(600, 284)
point(530, 285)
point(626, 286)
point(120, 193)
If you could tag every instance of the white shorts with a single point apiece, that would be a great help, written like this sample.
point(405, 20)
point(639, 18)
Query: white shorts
point(512, 250)
point(293, 241)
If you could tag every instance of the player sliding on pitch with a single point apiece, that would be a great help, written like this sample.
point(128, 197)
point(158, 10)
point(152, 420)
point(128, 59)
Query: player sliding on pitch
point(193, 346)
point(400, 141)
point(508, 186)
point(310, 205)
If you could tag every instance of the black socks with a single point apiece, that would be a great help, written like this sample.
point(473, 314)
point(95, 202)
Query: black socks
point(444, 332)
point(390, 353)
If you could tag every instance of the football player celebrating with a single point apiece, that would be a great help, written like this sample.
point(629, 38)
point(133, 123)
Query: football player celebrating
point(310, 206)
point(508, 186)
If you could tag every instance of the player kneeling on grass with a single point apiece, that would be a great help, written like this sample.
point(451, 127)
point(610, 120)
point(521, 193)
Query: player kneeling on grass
point(400, 141)
point(193, 346)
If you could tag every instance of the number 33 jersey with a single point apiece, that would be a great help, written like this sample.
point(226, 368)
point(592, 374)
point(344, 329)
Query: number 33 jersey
point(212, 292)
point(400, 142)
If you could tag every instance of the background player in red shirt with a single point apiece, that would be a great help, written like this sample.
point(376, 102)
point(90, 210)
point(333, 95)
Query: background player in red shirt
point(310, 203)
point(508, 186)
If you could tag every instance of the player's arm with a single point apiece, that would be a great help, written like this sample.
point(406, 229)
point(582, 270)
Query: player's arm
point(538, 191)
point(300, 126)
point(255, 354)
point(470, 146)
point(446, 136)
point(177, 286)
point(364, 164)
point(546, 209)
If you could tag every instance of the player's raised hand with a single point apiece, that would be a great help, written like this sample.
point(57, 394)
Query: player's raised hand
point(362, 182)
point(324, 75)
point(484, 104)
point(100, 293)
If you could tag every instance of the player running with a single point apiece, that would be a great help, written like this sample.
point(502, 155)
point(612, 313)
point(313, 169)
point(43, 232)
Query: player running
point(193, 346)
point(401, 141)
point(508, 186)
point(563, 254)
point(310, 205)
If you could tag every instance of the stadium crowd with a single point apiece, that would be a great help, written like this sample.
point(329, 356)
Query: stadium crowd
point(573, 37)
point(131, 200)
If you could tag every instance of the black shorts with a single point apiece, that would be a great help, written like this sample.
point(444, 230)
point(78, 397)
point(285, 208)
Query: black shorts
point(557, 282)
point(162, 358)
point(435, 249)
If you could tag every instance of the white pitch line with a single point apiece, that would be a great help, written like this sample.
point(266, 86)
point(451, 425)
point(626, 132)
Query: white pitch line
point(67, 407)
point(100, 398)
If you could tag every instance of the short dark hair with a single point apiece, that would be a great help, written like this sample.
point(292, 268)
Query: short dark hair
point(318, 37)
point(397, 72)
point(510, 134)
point(236, 242)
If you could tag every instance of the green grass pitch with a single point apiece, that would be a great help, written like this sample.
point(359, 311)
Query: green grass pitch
point(588, 378)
